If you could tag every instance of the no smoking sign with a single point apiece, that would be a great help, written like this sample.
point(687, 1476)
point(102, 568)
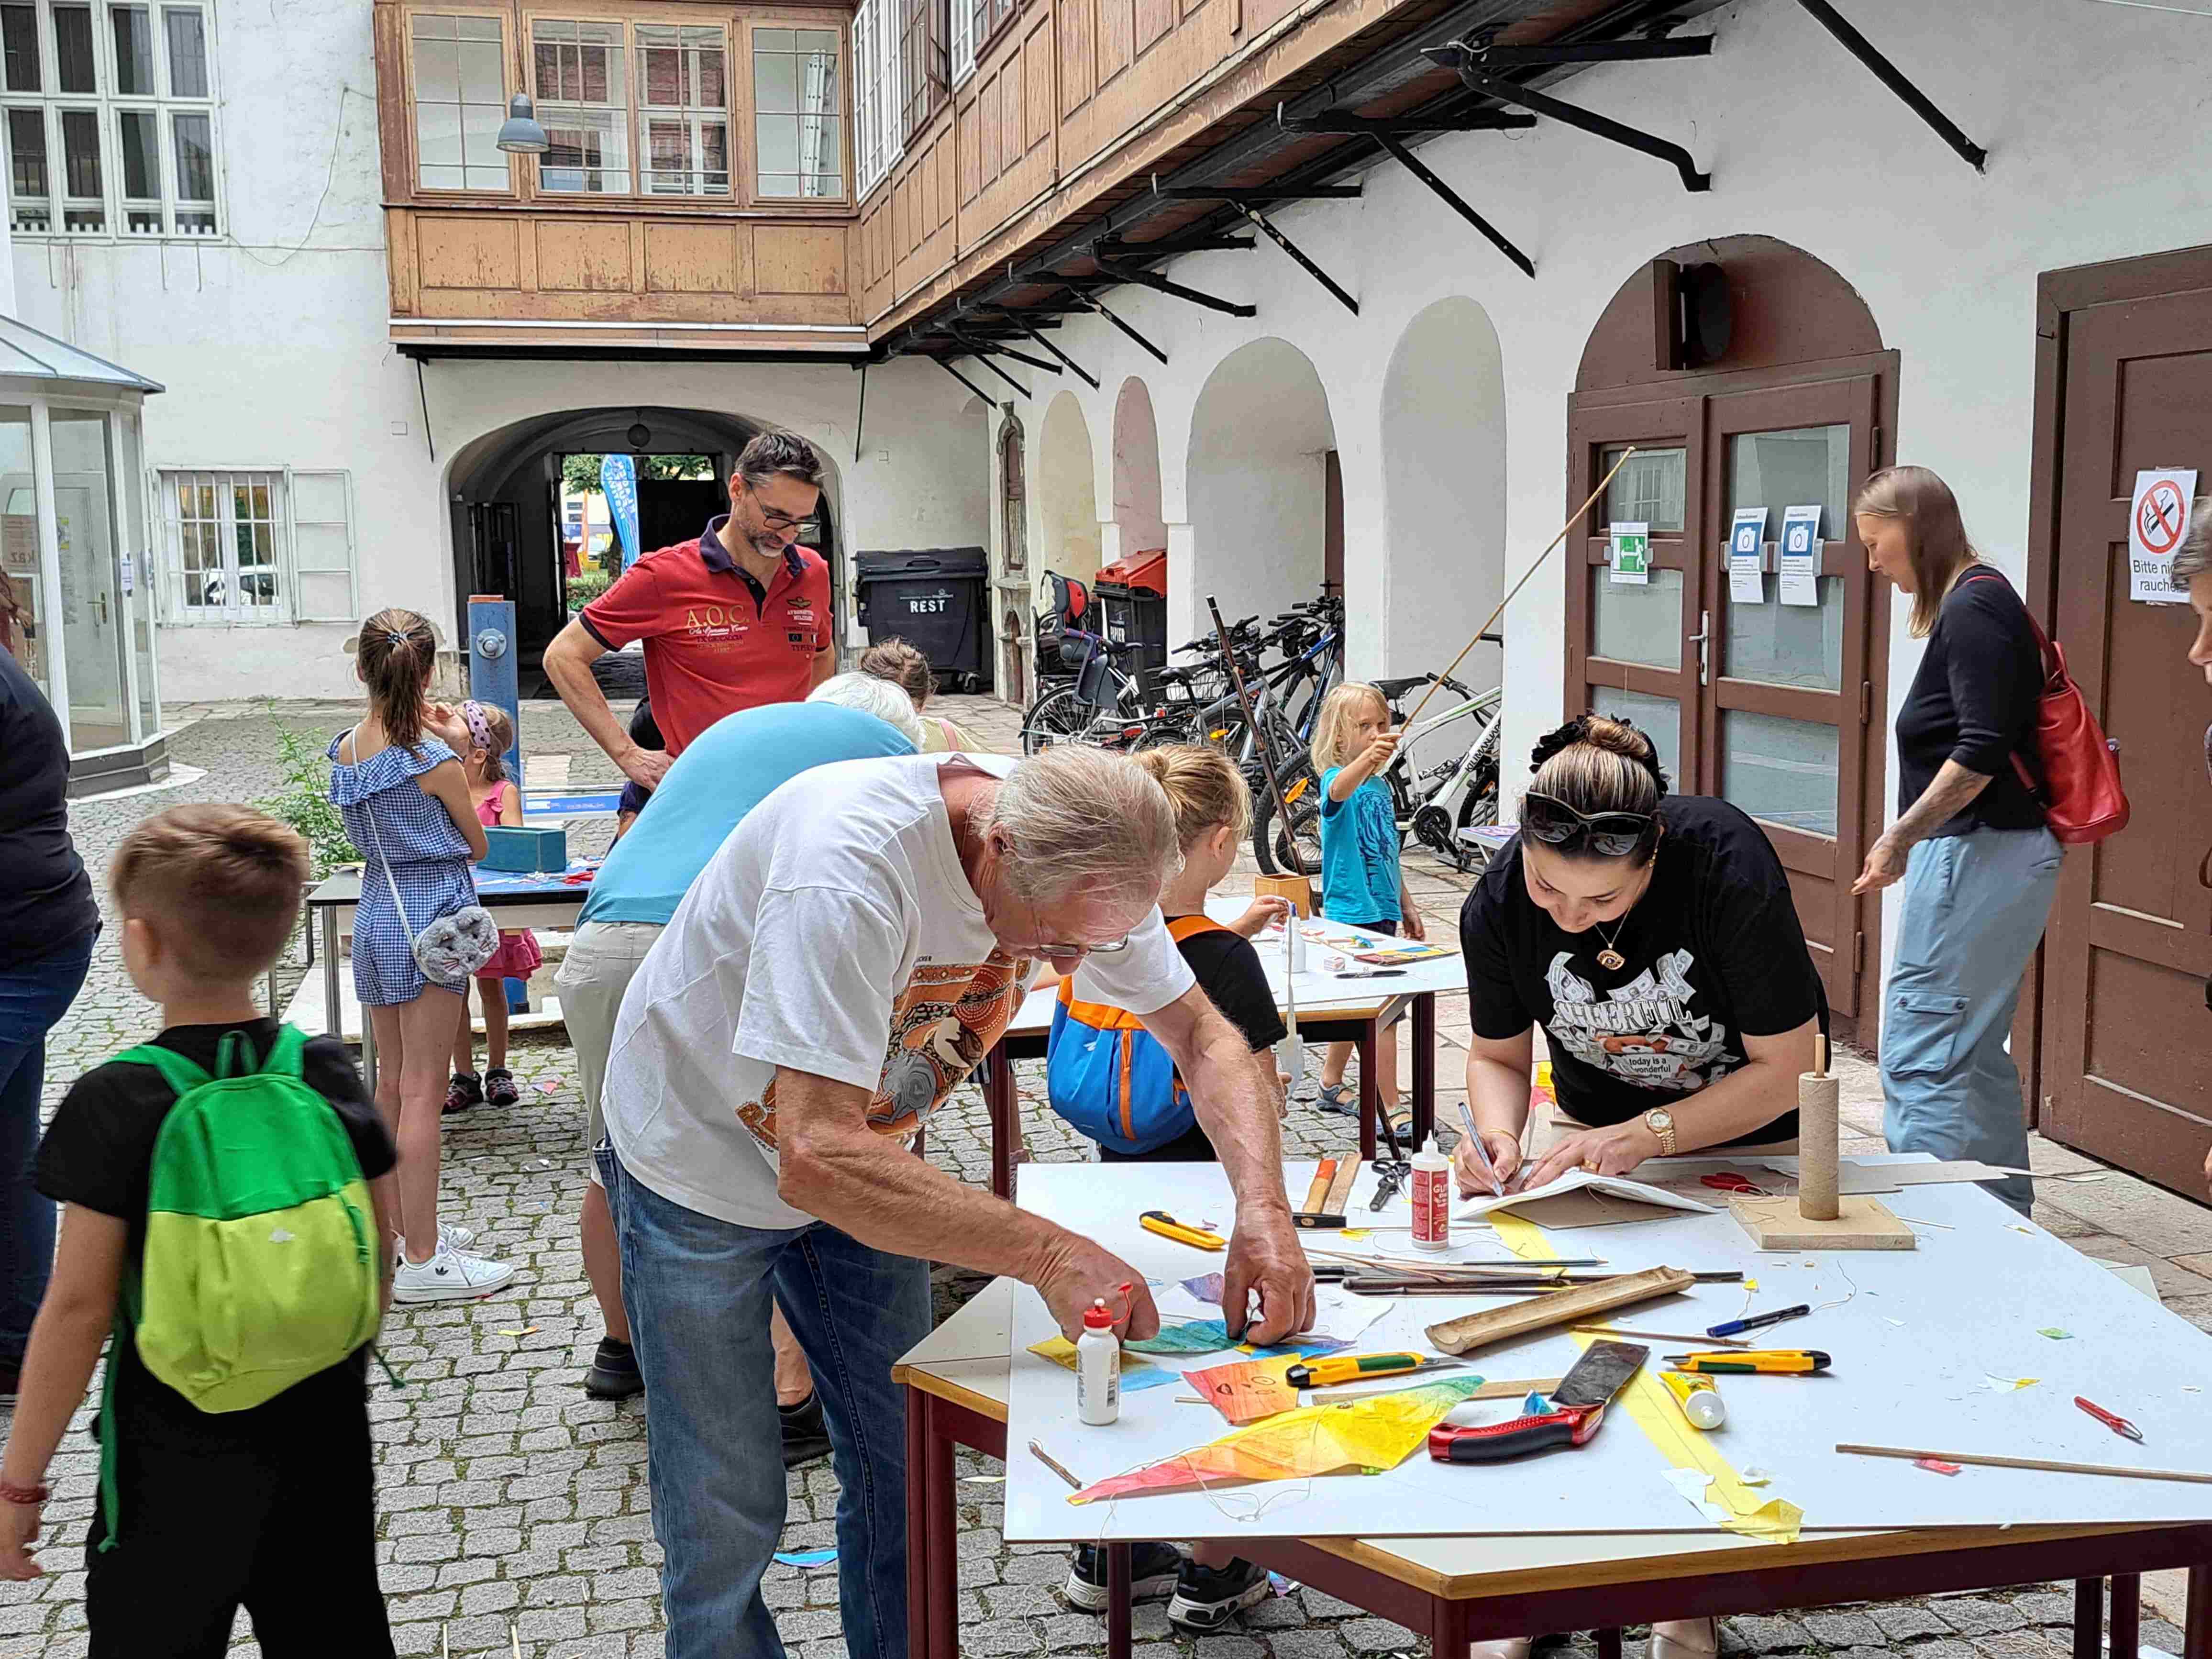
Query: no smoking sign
point(2160, 517)
point(2157, 520)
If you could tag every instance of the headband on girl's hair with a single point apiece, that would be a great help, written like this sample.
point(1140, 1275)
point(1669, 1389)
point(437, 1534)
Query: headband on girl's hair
point(472, 712)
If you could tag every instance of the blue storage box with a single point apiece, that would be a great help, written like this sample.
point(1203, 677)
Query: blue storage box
point(526, 850)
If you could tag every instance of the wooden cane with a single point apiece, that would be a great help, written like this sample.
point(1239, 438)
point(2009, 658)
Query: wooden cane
point(1518, 585)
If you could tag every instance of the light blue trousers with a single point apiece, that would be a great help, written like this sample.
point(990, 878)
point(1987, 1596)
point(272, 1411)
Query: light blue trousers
point(1974, 908)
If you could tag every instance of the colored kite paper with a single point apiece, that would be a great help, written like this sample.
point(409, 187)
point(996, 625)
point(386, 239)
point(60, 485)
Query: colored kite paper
point(1363, 1435)
point(1246, 1391)
point(1205, 1288)
point(1211, 1336)
point(1137, 1374)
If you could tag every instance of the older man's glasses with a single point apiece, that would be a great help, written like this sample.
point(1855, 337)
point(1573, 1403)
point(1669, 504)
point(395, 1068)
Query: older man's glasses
point(1074, 952)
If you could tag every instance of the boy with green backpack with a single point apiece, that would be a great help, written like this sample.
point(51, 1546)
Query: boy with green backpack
point(226, 1195)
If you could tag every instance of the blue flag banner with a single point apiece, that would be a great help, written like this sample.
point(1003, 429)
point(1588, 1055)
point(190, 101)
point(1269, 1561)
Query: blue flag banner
point(618, 483)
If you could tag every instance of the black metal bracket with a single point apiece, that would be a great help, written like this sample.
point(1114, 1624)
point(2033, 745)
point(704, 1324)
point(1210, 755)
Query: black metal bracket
point(1305, 263)
point(1468, 61)
point(1170, 247)
point(1257, 193)
point(1022, 323)
point(1892, 77)
point(947, 365)
point(1598, 52)
point(1451, 198)
point(984, 359)
point(1122, 272)
point(982, 348)
point(1377, 126)
point(1094, 303)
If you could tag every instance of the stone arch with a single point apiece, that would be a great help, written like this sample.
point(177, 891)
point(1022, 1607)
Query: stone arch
point(1138, 521)
point(1066, 492)
point(1260, 439)
point(1442, 451)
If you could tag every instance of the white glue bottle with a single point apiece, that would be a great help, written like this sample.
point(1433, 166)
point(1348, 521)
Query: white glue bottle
point(1432, 1197)
point(1098, 1367)
point(1294, 941)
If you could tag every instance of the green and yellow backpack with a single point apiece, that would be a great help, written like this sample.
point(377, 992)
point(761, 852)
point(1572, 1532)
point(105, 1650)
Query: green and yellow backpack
point(263, 1264)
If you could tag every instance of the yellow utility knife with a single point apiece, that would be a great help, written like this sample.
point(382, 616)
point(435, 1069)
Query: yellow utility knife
point(1333, 1369)
point(1160, 1222)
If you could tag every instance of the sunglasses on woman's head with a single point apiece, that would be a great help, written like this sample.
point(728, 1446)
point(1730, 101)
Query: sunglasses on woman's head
point(1609, 835)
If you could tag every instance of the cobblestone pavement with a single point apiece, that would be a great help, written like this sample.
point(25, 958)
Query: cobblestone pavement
point(512, 1508)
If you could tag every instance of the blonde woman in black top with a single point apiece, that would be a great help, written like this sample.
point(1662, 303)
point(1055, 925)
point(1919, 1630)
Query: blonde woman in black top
point(1969, 843)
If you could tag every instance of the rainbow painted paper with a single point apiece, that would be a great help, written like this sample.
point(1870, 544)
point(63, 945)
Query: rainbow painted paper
point(1360, 1434)
point(1211, 1336)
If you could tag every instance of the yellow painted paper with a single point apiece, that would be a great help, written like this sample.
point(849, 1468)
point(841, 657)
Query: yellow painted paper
point(1361, 1436)
point(1775, 1521)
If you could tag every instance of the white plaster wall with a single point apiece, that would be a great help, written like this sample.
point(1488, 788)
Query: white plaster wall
point(1063, 493)
point(2092, 115)
point(1134, 470)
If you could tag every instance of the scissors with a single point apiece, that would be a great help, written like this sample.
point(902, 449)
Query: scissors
point(1729, 1181)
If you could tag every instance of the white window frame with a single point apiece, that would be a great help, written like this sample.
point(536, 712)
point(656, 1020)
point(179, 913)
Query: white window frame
point(617, 115)
point(659, 183)
point(108, 106)
point(499, 17)
point(961, 38)
point(290, 567)
point(878, 103)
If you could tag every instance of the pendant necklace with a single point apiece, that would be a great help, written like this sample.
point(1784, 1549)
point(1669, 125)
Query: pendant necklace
point(1609, 958)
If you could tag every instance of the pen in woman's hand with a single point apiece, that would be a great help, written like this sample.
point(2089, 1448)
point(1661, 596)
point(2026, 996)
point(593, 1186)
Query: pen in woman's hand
point(1479, 1154)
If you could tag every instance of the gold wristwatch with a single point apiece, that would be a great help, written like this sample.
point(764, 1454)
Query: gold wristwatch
point(1661, 1123)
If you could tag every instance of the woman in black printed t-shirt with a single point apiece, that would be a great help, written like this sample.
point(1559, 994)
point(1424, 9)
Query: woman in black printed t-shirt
point(1655, 942)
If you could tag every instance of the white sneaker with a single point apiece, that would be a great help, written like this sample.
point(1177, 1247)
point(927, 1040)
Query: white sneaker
point(456, 1237)
point(449, 1276)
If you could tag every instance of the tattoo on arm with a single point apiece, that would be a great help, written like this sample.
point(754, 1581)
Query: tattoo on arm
point(1953, 789)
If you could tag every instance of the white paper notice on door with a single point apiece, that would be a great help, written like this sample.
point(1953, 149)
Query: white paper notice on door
point(1801, 555)
point(2158, 518)
point(1631, 553)
point(1746, 554)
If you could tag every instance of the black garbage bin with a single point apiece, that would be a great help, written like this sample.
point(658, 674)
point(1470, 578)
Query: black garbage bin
point(1133, 607)
point(931, 597)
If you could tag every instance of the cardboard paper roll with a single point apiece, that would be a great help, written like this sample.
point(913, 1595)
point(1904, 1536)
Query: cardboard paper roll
point(1819, 1097)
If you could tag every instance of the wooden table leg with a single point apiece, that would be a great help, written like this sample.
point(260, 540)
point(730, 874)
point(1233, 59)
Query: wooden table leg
point(1370, 1095)
point(1448, 1627)
point(1117, 1602)
point(1425, 1068)
point(2088, 1618)
point(1006, 1125)
point(2127, 1614)
point(933, 1536)
point(1608, 1643)
point(920, 1514)
point(2196, 1637)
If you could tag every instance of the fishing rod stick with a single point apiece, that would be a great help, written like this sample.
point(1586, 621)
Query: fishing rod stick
point(1251, 720)
point(1436, 683)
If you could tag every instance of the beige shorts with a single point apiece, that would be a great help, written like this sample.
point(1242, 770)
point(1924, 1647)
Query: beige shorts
point(602, 960)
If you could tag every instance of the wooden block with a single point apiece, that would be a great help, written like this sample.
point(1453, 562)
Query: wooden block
point(1297, 888)
point(1861, 1223)
point(1553, 1307)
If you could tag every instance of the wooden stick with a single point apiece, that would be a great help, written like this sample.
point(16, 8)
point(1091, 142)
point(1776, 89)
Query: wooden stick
point(1516, 587)
point(1471, 1331)
point(1054, 1464)
point(1701, 1339)
point(2045, 1463)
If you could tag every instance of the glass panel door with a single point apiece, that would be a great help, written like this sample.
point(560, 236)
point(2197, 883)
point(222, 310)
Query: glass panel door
point(138, 568)
point(24, 593)
point(96, 622)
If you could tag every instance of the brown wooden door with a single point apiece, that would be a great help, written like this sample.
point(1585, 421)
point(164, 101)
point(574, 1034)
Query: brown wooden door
point(2130, 943)
point(1765, 704)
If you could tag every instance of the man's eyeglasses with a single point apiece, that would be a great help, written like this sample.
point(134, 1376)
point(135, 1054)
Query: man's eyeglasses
point(775, 520)
point(1069, 953)
point(1609, 835)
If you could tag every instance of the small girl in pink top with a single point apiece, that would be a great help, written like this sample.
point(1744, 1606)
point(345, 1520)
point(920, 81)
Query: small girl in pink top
point(497, 801)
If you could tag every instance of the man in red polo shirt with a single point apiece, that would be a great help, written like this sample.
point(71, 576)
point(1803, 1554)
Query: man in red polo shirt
point(739, 619)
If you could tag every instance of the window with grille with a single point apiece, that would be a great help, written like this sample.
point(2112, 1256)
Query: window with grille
point(684, 81)
point(583, 102)
point(878, 99)
point(258, 546)
point(458, 73)
point(922, 30)
point(798, 133)
point(110, 119)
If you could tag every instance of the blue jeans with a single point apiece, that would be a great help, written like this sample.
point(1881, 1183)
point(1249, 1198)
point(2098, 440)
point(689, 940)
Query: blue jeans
point(697, 1290)
point(1974, 908)
point(34, 996)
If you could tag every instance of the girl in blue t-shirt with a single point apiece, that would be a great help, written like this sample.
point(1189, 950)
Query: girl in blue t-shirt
point(1361, 883)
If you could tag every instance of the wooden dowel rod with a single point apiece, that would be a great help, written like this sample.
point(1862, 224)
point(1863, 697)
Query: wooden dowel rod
point(2043, 1463)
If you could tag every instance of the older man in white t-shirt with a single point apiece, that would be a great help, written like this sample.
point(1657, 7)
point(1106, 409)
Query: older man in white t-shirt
point(855, 947)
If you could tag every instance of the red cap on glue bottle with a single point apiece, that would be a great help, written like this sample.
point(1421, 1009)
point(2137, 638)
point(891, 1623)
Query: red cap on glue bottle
point(1097, 1318)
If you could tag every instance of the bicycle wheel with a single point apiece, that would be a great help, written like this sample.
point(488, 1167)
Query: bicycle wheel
point(1291, 849)
point(1059, 716)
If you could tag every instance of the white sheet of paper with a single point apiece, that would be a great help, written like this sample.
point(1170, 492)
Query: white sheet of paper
point(2158, 518)
point(1574, 1182)
point(1800, 559)
point(1748, 556)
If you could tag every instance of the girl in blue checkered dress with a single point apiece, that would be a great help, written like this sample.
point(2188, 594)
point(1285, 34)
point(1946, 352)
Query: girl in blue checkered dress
point(397, 782)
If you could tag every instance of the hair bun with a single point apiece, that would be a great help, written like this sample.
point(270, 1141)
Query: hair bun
point(1604, 731)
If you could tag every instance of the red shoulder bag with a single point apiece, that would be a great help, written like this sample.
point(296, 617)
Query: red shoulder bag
point(2080, 791)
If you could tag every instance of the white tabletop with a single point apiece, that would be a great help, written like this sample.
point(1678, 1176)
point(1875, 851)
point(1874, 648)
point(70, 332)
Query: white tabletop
point(1317, 993)
point(1925, 1345)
